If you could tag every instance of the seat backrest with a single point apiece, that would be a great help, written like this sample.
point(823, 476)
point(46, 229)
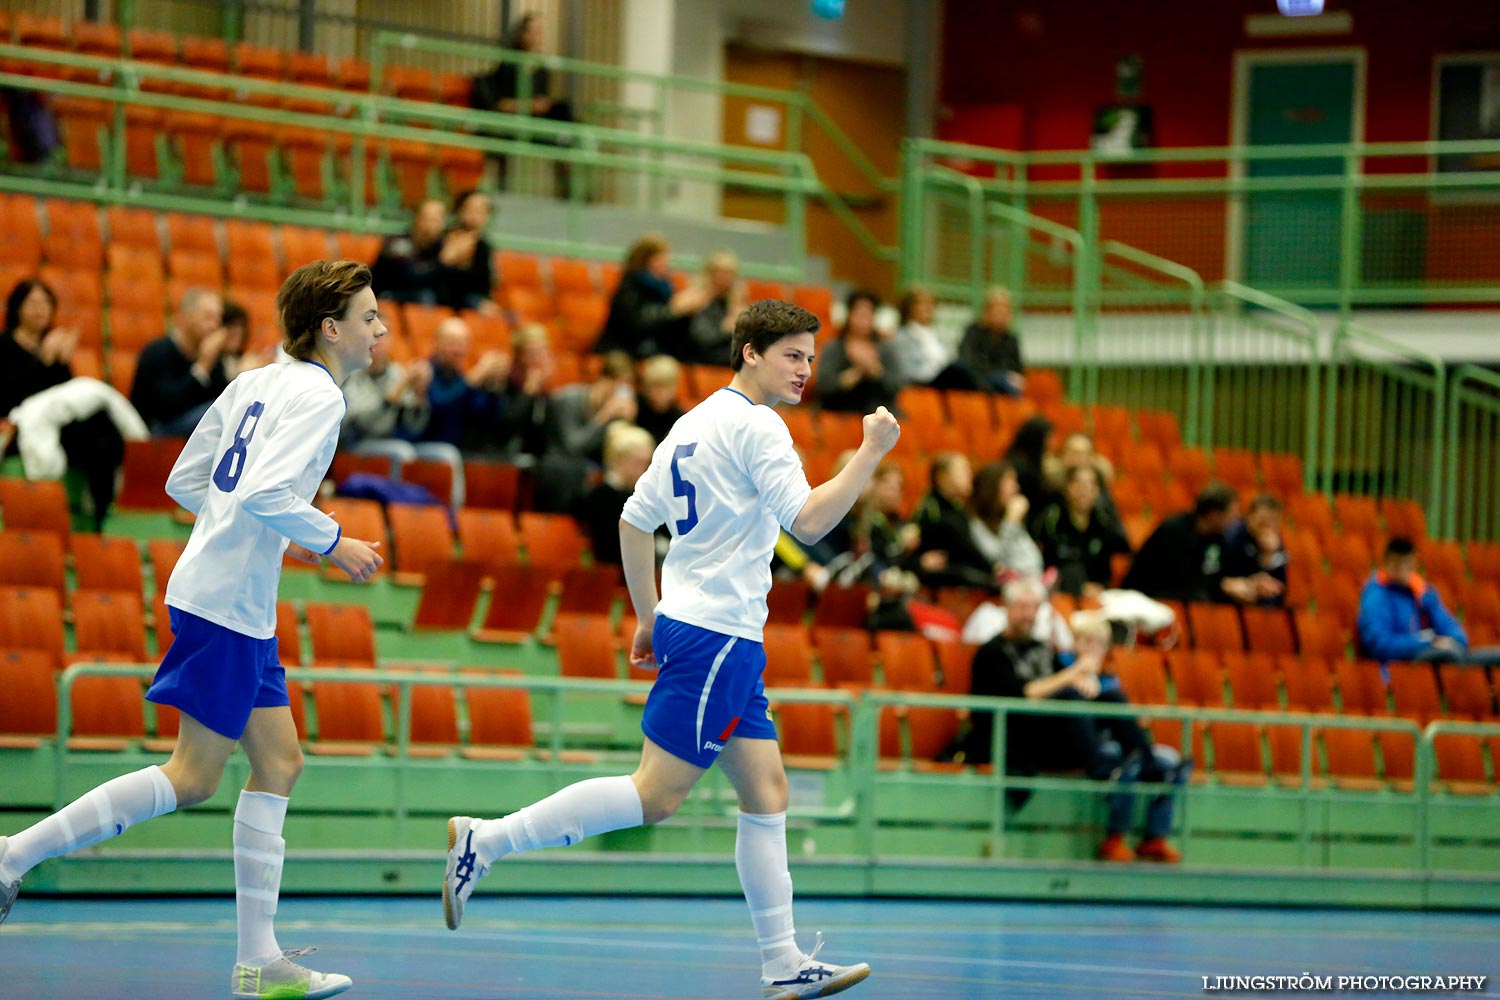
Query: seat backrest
point(110, 621)
point(341, 633)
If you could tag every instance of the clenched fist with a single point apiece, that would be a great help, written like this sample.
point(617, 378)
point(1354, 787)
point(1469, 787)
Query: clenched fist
point(881, 430)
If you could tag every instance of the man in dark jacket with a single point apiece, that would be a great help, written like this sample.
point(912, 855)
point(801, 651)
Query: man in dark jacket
point(1401, 616)
point(1183, 558)
point(991, 350)
point(1254, 551)
point(181, 373)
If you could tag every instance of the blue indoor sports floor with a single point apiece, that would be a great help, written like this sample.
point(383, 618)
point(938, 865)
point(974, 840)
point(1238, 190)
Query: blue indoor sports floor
point(649, 948)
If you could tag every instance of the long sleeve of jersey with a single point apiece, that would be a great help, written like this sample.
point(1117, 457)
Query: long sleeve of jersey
point(267, 490)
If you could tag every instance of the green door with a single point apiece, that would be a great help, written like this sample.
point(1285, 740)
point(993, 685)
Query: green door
point(1292, 237)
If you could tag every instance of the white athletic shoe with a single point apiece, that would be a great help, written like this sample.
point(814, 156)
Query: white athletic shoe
point(284, 979)
point(814, 978)
point(464, 869)
point(8, 890)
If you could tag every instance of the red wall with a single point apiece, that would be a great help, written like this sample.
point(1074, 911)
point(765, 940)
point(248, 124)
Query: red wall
point(1056, 60)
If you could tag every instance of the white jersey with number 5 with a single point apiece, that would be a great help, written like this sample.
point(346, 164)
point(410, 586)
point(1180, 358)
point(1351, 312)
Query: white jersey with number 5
point(249, 472)
point(723, 480)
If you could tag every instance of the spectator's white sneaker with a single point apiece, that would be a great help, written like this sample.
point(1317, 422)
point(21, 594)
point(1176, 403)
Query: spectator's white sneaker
point(814, 978)
point(463, 869)
point(284, 979)
point(8, 890)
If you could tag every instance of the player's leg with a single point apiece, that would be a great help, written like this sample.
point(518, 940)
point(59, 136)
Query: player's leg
point(191, 776)
point(261, 968)
point(583, 809)
point(752, 762)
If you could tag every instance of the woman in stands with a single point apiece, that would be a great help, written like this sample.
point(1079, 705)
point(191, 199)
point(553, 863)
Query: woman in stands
point(860, 369)
point(646, 316)
point(465, 273)
point(249, 473)
point(36, 354)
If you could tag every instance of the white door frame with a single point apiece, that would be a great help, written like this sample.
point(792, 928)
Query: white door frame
point(1244, 61)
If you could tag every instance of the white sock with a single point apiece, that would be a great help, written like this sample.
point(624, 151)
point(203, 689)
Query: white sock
point(760, 858)
point(105, 812)
point(258, 855)
point(584, 809)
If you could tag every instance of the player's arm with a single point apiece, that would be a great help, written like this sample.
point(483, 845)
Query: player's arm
point(193, 471)
point(638, 560)
point(644, 511)
point(828, 503)
point(267, 487)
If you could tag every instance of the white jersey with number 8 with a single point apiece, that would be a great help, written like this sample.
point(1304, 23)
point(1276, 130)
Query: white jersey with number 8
point(723, 481)
point(249, 472)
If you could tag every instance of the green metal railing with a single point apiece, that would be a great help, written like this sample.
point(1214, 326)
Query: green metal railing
point(798, 110)
point(1393, 224)
point(1384, 411)
point(366, 124)
point(1472, 455)
point(862, 757)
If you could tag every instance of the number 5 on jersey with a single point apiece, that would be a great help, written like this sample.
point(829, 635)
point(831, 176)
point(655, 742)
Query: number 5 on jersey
point(227, 473)
point(682, 488)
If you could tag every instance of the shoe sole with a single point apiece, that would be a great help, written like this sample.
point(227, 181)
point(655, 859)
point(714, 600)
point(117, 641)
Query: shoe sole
point(450, 916)
point(838, 985)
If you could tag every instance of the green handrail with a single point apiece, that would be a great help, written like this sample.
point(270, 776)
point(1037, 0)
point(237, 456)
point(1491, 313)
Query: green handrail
point(1352, 346)
point(863, 755)
point(1306, 333)
point(1200, 386)
point(1470, 508)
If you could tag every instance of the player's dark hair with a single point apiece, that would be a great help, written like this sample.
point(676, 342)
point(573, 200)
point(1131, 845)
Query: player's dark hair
point(315, 292)
point(765, 322)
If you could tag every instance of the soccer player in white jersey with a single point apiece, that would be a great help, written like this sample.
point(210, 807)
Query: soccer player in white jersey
point(724, 481)
point(248, 472)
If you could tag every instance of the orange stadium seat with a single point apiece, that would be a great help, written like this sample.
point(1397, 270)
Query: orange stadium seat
point(1361, 690)
point(788, 657)
point(808, 734)
point(488, 536)
point(351, 718)
point(906, 660)
point(589, 590)
point(585, 647)
point(1197, 678)
point(103, 562)
point(1237, 753)
point(1467, 692)
point(288, 635)
point(845, 656)
point(110, 622)
point(1252, 681)
point(1415, 692)
point(517, 598)
point(36, 506)
point(1309, 683)
point(108, 713)
point(500, 724)
point(420, 535)
point(450, 593)
point(553, 541)
point(341, 633)
point(29, 709)
point(32, 559)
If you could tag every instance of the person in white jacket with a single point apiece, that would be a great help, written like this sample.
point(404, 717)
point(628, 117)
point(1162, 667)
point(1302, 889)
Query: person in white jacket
point(248, 473)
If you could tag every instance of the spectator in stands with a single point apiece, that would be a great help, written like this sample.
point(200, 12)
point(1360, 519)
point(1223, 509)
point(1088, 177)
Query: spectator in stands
point(656, 402)
point(922, 356)
point(524, 432)
point(387, 411)
point(858, 371)
point(500, 90)
point(180, 374)
point(577, 418)
point(880, 530)
point(1028, 454)
point(35, 355)
point(947, 553)
point(1015, 664)
point(997, 522)
point(578, 414)
point(1254, 551)
point(1401, 616)
point(1079, 538)
point(465, 402)
point(406, 270)
point(238, 355)
point(646, 316)
point(1078, 449)
point(465, 274)
point(711, 329)
point(1183, 560)
point(991, 349)
point(627, 453)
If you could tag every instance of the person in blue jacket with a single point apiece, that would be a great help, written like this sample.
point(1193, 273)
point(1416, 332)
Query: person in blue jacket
point(1401, 616)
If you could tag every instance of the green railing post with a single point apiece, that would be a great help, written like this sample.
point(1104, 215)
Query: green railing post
point(1349, 234)
point(1088, 289)
point(908, 222)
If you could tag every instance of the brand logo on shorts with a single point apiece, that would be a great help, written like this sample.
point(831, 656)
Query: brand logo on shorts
point(711, 745)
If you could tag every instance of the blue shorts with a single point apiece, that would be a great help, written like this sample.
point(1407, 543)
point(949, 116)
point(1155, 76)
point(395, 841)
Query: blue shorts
point(708, 688)
point(217, 675)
